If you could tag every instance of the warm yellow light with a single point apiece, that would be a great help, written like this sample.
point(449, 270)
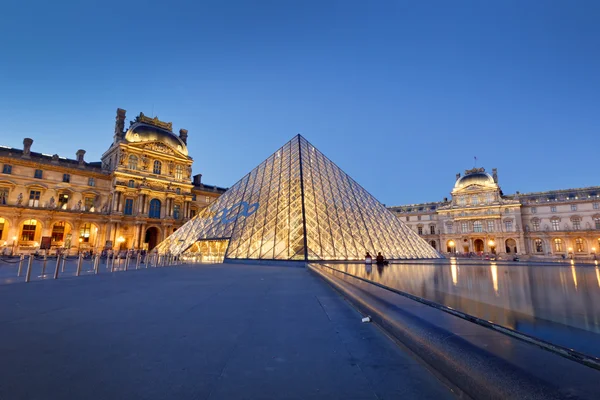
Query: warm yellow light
point(570, 249)
point(491, 243)
point(121, 239)
point(80, 240)
point(451, 243)
point(494, 269)
point(14, 238)
point(593, 249)
point(35, 244)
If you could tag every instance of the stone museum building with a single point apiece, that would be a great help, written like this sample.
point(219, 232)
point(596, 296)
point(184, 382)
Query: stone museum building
point(479, 218)
point(140, 192)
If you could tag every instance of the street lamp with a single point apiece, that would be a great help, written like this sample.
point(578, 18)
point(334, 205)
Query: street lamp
point(79, 248)
point(451, 244)
point(492, 245)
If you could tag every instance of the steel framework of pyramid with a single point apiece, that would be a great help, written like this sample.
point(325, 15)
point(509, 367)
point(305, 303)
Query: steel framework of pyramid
point(299, 205)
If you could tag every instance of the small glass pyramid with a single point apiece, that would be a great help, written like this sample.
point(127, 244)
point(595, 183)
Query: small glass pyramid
point(299, 205)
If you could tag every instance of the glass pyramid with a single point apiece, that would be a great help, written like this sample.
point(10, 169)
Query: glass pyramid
point(299, 205)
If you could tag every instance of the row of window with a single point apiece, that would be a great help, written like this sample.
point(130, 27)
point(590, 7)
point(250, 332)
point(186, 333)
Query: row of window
point(573, 208)
point(556, 224)
point(431, 230)
point(476, 199)
point(39, 174)
point(156, 167)
point(538, 245)
point(430, 217)
point(478, 227)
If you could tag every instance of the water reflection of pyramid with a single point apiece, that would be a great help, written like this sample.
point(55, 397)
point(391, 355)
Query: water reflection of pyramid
point(299, 205)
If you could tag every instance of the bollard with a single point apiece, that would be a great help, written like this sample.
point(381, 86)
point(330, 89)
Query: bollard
point(137, 262)
point(20, 264)
point(29, 264)
point(57, 266)
point(96, 264)
point(155, 259)
point(44, 265)
point(126, 261)
point(79, 261)
point(64, 258)
point(112, 264)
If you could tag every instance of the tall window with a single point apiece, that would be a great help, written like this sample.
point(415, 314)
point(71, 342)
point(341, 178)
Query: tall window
point(558, 245)
point(420, 230)
point(573, 207)
point(418, 217)
point(58, 231)
point(34, 198)
point(464, 226)
point(536, 225)
point(88, 203)
point(597, 222)
point(38, 174)
point(63, 201)
point(131, 183)
point(154, 208)
point(432, 229)
point(133, 162)
point(555, 225)
point(1, 226)
point(533, 210)
point(157, 167)
point(461, 201)
point(192, 213)
point(28, 231)
point(176, 211)
point(128, 207)
point(7, 169)
point(490, 197)
point(474, 200)
point(508, 226)
point(179, 172)
point(407, 218)
point(576, 224)
point(449, 228)
point(539, 247)
point(208, 200)
point(66, 178)
point(91, 182)
point(3, 196)
point(553, 209)
point(579, 245)
point(477, 226)
point(596, 206)
point(490, 226)
point(84, 232)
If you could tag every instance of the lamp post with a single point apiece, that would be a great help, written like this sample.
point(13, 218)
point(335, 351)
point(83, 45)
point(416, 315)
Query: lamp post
point(14, 245)
point(79, 248)
point(451, 244)
point(492, 246)
point(95, 238)
point(571, 253)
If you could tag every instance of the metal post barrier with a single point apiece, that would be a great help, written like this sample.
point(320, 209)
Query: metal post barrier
point(112, 264)
point(20, 265)
point(126, 261)
point(146, 260)
point(64, 261)
point(155, 260)
point(137, 262)
point(57, 266)
point(44, 265)
point(79, 261)
point(29, 264)
point(97, 264)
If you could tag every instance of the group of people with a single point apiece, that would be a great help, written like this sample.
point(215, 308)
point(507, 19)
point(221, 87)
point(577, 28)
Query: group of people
point(379, 260)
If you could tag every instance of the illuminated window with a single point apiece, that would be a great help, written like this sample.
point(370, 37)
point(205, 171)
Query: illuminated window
point(178, 172)
point(28, 231)
point(490, 226)
point(579, 245)
point(464, 227)
point(157, 167)
point(133, 162)
point(84, 232)
point(555, 225)
point(154, 208)
point(58, 231)
point(63, 201)
point(88, 203)
point(38, 174)
point(1, 226)
point(66, 178)
point(128, 207)
point(576, 224)
point(432, 229)
point(477, 226)
point(558, 245)
point(34, 198)
point(539, 247)
point(176, 211)
point(7, 169)
point(536, 225)
point(208, 199)
point(508, 226)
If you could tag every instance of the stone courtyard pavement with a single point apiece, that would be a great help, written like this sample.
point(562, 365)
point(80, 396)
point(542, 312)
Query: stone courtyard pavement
point(198, 332)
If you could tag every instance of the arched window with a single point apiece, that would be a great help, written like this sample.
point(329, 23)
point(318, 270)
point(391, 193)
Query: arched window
point(1, 227)
point(28, 231)
point(558, 247)
point(579, 245)
point(157, 167)
point(539, 246)
point(178, 172)
point(58, 231)
point(84, 232)
point(154, 208)
point(133, 162)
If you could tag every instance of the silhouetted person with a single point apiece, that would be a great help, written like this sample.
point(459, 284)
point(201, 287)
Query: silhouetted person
point(380, 258)
point(368, 258)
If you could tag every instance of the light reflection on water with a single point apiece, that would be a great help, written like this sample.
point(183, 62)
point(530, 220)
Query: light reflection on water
point(559, 304)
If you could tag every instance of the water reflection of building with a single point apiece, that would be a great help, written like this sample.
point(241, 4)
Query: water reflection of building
point(140, 191)
point(479, 218)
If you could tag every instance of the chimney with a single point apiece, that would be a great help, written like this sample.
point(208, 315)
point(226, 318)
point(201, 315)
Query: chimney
point(120, 125)
point(198, 180)
point(80, 153)
point(458, 176)
point(183, 133)
point(27, 142)
point(495, 174)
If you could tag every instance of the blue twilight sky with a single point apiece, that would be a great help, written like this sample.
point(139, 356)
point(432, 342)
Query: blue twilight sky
point(400, 94)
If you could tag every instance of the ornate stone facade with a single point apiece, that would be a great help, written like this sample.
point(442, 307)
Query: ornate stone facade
point(139, 193)
point(479, 218)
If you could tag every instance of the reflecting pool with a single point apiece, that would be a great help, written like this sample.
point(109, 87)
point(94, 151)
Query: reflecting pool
point(559, 304)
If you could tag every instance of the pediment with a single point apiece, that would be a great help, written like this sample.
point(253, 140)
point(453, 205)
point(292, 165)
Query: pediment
point(158, 147)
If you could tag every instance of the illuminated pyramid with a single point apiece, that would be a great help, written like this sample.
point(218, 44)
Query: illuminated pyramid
point(298, 205)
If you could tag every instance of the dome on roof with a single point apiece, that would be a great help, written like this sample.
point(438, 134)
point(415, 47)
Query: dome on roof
point(141, 132)
point(476, 178)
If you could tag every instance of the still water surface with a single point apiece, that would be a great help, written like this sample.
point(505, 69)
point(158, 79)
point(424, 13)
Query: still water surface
point(559, 304)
